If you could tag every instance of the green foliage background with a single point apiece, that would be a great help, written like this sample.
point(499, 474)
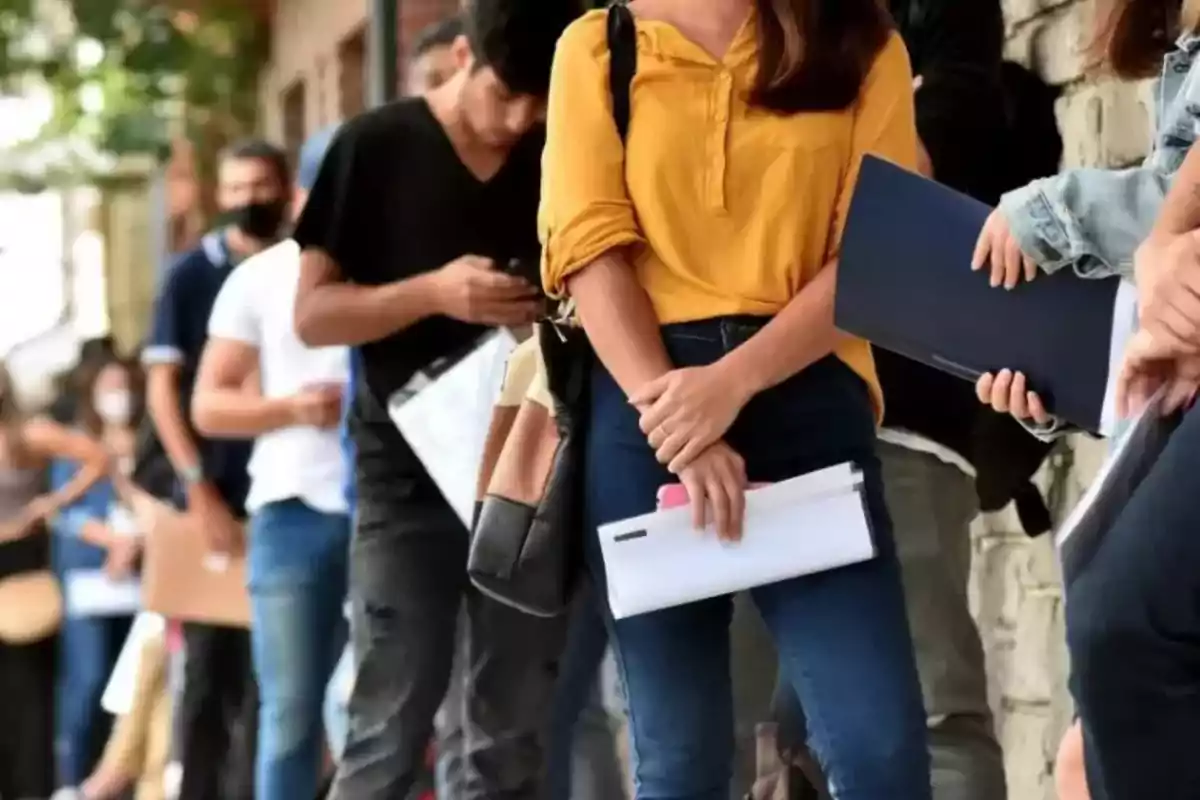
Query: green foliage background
point(185, 66)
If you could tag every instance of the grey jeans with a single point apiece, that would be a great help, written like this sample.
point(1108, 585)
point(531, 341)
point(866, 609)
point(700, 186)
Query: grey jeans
point(581, 760)
point(408, 584)
point(932, 504)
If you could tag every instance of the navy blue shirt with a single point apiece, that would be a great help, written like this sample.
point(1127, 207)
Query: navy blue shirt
point(177, 336)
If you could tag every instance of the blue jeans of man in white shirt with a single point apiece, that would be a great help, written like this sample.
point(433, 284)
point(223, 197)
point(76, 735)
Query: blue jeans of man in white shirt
point(297, 564)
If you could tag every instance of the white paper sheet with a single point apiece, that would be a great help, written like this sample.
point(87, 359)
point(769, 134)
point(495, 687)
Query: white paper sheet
point(92, 593)
point(446, 422)
point(798, 527)
point(118, 694)
point(1123, 327)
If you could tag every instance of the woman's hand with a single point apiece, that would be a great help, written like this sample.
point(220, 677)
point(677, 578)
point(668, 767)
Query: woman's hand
point(998, 249)
point(1150, 364)
point(1167, 271)
point(686, 411)
point(1008, 393)
point(122, 556)
point(41, 508)
point(716, 484)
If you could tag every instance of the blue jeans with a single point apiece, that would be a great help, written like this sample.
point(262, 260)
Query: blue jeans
point(88, 648)
point(842, 635)
point(297, 565)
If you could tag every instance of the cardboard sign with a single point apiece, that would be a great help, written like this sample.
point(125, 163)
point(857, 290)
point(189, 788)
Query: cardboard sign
point(181, 579)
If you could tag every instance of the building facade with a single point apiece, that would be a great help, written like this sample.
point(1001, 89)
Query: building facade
point(320, 65)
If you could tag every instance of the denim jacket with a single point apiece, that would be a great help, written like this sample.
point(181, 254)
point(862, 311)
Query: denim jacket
point(1094, 219)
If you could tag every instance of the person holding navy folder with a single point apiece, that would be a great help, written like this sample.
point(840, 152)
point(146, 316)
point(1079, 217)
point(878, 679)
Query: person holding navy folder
point(1094, 221)
point(1090, 219)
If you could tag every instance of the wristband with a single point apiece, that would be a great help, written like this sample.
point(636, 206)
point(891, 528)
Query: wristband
point(192, 475)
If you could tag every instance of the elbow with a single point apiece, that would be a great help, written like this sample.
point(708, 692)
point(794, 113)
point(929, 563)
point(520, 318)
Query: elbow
point(204, 417)
point(306, 319)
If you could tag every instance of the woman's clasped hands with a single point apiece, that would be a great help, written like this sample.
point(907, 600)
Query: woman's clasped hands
point(685, 414)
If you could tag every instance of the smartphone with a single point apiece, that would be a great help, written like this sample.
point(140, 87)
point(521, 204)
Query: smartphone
point(527, 270)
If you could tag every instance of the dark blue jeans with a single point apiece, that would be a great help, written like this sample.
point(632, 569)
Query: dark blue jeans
point(842, 635)
point(1133, 626)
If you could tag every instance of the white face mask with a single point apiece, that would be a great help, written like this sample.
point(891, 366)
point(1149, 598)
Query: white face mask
point(114, 407)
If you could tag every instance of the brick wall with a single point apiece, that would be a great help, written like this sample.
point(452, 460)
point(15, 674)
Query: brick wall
point(1016, 588)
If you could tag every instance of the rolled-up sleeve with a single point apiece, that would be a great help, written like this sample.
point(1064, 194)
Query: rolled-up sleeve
point(1089, 219)
point(585, 209)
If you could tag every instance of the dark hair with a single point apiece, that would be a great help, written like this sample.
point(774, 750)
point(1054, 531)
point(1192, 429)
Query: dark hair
point(439, 34)
point(1133, 35)
point(86, 413)
point(815, 54)
point(260, 150)
point(516, 38)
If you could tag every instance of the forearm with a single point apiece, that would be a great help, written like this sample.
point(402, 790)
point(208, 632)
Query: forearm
point(339, 313)
point(799, 336)
point(96, 533)
point(177, 442)
point(620, 322)
point(1181, 210)
point(77, 487)
point(238, 414)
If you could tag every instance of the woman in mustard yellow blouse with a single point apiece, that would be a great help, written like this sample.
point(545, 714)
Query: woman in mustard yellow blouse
point(701, 257)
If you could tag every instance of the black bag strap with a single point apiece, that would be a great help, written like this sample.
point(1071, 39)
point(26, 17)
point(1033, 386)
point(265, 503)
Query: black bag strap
point(622, 49)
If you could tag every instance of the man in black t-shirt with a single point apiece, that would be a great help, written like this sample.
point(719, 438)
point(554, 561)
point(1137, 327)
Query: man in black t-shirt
point(415, 206)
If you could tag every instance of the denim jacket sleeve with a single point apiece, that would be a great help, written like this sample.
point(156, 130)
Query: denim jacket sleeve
point(1090, 219)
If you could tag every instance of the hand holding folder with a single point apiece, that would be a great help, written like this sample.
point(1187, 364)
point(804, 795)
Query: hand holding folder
point(905, 283)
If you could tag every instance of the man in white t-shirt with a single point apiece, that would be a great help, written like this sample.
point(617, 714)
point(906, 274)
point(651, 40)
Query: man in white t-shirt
point(299, 536)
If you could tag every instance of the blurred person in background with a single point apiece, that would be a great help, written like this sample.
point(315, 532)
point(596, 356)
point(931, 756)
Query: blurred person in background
point(28, 445)
point(299, 531)
point(95, 532)
point(432, 61)
point(218, 710)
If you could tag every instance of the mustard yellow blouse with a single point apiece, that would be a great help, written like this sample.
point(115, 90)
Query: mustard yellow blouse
point(731, 209)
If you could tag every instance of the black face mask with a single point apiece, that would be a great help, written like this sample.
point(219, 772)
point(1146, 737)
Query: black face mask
point(261, 221)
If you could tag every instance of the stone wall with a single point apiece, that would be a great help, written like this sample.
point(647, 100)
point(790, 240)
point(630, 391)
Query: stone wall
point(1016, 588)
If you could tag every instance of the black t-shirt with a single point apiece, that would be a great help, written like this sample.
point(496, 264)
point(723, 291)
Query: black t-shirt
point(394, 200)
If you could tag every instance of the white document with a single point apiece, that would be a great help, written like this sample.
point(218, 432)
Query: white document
point(118, 694)
point(446, 421)
point(809, 524)
point(1123, 327)
point(92, 593)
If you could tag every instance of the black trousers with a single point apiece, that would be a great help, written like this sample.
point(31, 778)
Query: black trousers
point(1133, 626)
point(26, 720)
point(218, 715)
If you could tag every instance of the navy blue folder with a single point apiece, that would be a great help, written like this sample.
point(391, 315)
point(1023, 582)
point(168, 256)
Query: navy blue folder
point(905, 284)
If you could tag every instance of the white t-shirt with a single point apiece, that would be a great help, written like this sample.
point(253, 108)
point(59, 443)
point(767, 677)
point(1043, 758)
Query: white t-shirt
point(255, 307)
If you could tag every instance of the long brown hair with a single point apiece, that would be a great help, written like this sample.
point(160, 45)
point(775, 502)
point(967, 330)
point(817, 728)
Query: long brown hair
point(1133, 35)
point(12, 422)
point(815, 54)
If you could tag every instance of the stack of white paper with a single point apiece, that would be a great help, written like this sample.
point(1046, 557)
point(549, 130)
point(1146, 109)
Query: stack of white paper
point(809, 524)
point(92, 593)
